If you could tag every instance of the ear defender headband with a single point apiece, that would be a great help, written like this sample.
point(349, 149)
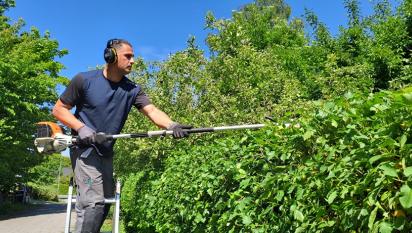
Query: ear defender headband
point(110, 55)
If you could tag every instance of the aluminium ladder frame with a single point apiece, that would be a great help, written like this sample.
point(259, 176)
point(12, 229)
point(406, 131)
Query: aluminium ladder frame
point(116, 212)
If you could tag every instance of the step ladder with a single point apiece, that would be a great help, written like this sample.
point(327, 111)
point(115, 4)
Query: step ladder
point(116, 212)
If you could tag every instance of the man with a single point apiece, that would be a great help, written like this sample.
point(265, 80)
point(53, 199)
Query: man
point(103, 99)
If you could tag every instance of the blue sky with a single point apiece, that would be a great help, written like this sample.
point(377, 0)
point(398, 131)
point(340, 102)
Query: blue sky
point(155, 28)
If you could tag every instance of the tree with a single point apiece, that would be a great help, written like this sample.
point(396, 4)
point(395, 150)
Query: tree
point(47, 179)
point(369, 55)
point(28, 80)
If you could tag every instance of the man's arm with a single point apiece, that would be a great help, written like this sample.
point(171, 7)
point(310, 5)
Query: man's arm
point(62, 113)
point(157, 116)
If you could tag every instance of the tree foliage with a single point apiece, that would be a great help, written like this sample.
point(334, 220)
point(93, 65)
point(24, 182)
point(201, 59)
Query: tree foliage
point(28, 80)
point(344, 167)
point(47, 180)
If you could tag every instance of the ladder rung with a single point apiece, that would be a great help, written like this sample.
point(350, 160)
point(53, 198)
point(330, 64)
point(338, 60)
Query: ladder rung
point(110, 200)
point(107, 200)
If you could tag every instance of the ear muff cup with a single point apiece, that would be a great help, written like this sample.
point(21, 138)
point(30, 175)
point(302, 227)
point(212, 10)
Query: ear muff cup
point(110, 55)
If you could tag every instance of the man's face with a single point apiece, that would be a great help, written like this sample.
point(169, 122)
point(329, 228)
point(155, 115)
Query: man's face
point(125, 58)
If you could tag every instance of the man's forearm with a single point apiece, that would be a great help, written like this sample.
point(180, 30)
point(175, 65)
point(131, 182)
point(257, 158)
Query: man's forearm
point(160, 119)
point(157, 116)
point(63, 114)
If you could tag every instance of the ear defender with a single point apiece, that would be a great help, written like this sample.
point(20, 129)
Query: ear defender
point(110, 55)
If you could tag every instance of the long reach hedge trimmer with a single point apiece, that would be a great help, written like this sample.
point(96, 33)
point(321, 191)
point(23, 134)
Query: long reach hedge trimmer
point(51, 139)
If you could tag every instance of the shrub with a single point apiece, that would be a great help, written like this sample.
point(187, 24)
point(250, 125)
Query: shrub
point(346, 166)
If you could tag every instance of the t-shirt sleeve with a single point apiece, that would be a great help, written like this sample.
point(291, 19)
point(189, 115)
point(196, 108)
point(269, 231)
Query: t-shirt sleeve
point(141, 100)
point(73, 92)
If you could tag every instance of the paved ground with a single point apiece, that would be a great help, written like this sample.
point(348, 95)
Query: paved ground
point(46, 217)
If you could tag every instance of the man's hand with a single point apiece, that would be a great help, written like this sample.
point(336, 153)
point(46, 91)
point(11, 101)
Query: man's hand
point(88, 136)
point(179, 130)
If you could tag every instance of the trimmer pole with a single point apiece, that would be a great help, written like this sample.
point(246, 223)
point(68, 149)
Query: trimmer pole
point(190, 131)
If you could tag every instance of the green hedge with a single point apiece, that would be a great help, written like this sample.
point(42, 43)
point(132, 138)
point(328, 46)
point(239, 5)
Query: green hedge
point(346, 167)
point(43, 192)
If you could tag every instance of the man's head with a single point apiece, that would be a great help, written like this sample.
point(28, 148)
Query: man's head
point(120, 53)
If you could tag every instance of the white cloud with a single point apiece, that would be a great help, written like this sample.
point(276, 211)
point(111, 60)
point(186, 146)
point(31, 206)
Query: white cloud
point(153, 54)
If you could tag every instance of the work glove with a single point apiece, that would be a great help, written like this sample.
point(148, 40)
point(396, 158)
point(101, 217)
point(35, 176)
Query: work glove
point(88, 136)
point(179, 130)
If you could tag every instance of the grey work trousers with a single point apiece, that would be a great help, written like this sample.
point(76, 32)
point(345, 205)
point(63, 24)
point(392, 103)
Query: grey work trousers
point(94, 182)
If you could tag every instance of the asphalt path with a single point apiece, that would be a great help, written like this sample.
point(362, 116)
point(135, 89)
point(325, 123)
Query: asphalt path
point(44, 217)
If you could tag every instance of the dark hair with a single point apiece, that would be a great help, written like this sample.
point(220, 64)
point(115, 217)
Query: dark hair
point(116, 43)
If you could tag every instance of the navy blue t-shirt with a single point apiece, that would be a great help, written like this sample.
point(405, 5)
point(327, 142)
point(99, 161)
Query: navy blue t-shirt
point(101, 104)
